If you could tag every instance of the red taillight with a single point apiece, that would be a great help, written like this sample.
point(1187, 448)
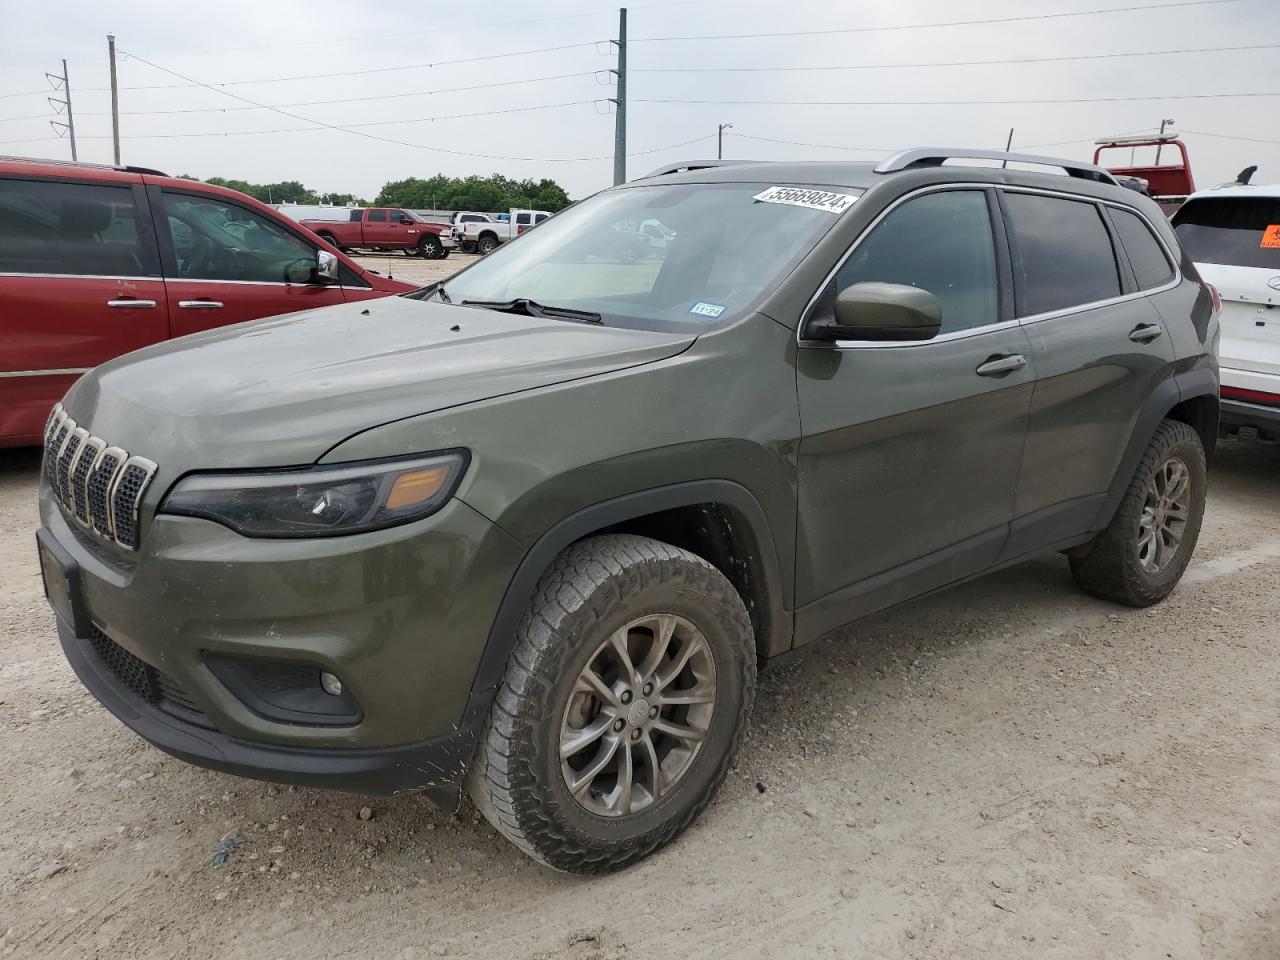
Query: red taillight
point(1251, 396)
point(1215, 297)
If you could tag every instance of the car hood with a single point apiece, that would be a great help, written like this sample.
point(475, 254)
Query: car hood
point(283, 390)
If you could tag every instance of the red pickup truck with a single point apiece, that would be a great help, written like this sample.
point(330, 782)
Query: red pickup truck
point(96, 261)
point(385, 228)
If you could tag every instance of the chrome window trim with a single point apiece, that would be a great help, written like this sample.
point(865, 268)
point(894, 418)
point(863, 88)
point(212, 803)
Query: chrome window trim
point(990, 327)
point(62, 372)
point(127, 278)
point(255, 283)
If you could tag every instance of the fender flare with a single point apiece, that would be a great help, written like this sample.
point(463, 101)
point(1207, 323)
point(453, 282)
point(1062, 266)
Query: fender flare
point(1168, 394)
point(502, 632)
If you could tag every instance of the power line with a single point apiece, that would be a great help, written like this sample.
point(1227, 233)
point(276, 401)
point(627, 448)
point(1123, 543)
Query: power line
point(955, 63)
point(949, 103)
point(1223, 136)
point(948, 23)
point(385, 96)
point(355, 73)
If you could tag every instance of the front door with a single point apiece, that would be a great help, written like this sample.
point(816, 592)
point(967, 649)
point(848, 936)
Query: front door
point(226, 263)
point(910, 451)
point(1099, 348)
point(80, 284)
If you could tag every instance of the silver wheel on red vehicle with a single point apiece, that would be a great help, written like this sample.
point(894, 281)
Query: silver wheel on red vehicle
point(431, 247)
point(638, 716)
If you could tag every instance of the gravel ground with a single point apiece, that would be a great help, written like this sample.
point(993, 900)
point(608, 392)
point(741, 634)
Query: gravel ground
point(416, 269)
point(1009, 769)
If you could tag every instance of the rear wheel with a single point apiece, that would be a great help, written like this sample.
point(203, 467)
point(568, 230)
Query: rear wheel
point(331, 240)
point(487, 244)
point(1141, 555)
point(623, 703)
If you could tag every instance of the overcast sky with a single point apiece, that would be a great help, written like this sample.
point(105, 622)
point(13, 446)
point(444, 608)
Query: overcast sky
point(226, 41)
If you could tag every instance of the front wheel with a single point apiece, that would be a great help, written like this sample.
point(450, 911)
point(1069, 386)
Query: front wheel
point(1141, 555)
point(623, 704)
point(430, 247)
point(467, 246)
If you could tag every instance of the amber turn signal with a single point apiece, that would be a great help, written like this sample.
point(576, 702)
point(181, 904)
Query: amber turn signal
point(416, 486)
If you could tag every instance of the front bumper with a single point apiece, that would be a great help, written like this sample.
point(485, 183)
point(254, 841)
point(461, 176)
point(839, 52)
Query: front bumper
point(400, 615)
point(434, 766)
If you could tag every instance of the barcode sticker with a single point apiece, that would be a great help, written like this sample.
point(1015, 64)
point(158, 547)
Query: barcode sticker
point(836, 203)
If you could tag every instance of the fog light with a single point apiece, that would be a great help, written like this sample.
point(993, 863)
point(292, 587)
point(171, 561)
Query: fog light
point(331, 684)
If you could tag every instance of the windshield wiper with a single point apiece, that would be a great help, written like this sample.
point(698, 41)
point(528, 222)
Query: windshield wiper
point(531, 308)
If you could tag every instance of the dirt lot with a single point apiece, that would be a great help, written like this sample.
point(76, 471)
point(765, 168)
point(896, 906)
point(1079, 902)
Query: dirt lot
point(415, 269)
point(1010, 769)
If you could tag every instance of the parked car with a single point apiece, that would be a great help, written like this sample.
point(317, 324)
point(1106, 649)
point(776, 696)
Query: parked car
point(1169, 183)
point(1233, 235)
point(464, 217)
point(385, 228)
point(484, 237)
point(531, 529)
point(96, 261)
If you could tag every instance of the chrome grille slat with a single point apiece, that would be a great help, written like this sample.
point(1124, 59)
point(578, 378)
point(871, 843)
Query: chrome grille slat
point(100, 486)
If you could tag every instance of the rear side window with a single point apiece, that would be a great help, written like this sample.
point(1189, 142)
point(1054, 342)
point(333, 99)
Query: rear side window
point(1151, 267)
point(940, 242)
point(1062, 253)
point(71, 228)
point(1236, 231)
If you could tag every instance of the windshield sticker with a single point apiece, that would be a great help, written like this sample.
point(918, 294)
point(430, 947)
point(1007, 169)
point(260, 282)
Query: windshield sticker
point(1271, 237)
point(836, 203)
point(711, 310)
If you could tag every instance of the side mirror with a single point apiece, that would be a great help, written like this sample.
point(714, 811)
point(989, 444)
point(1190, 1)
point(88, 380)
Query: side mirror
point(326, 269)
point(881, 311)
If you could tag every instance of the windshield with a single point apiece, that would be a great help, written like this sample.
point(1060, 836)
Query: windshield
point(667, 257)
point(1236, 231)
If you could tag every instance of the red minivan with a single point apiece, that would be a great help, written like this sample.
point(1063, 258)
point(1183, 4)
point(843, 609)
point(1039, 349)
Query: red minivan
point(96, 261)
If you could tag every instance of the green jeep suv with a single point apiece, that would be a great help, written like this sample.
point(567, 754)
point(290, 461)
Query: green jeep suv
point(530, 532)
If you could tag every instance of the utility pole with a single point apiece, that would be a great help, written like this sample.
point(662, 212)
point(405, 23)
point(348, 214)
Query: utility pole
point(720, 129)
point(620, 118)
point(70, 125)
point(1163, 124)
point(115, 99)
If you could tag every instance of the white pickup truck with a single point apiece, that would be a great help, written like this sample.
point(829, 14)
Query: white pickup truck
point(474, 235)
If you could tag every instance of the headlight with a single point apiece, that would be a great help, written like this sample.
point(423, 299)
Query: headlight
point(321, 501)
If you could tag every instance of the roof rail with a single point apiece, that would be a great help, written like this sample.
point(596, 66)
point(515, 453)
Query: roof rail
point(86, 163)
point(935, 156)
point(150, 170)
point(685, 166)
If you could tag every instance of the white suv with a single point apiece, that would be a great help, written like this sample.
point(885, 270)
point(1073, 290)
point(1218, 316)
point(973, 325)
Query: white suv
point(1233, 235)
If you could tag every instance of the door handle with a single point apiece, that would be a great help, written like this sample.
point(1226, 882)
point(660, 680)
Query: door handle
point(1001, 364)
point(130, 304)
point(1145, 332)
point(200, 304)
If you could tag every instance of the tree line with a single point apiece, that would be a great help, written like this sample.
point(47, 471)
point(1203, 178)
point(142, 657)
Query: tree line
point(494, 192)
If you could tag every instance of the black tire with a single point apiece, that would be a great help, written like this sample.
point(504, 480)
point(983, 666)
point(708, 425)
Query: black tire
point(467, 246)
point(594, 589)
point(430, 247)
point(1111, 567)
point(486, 244)
point(331, 240)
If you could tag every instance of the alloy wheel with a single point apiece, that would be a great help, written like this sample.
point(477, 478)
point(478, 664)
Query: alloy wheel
point(637, 715)
point(1165, 512)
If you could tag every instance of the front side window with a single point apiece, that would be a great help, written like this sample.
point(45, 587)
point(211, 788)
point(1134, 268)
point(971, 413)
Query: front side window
point(940, 242)
point(1235, 231)
point(1062, 253)
point(722, 251)
point(377, 216)
point(1151, 267)
point(71, 228)
point(217, 240)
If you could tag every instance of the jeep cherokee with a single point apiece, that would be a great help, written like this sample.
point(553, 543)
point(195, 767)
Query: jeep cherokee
point(529, 532)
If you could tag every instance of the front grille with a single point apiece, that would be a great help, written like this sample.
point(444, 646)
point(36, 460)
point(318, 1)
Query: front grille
point(153, 686)
point(99, 485)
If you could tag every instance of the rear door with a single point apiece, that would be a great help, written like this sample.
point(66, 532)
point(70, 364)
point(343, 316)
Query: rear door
point(1235, 243)
point(79, 284)
point(226, 263)
point(1099, 348)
